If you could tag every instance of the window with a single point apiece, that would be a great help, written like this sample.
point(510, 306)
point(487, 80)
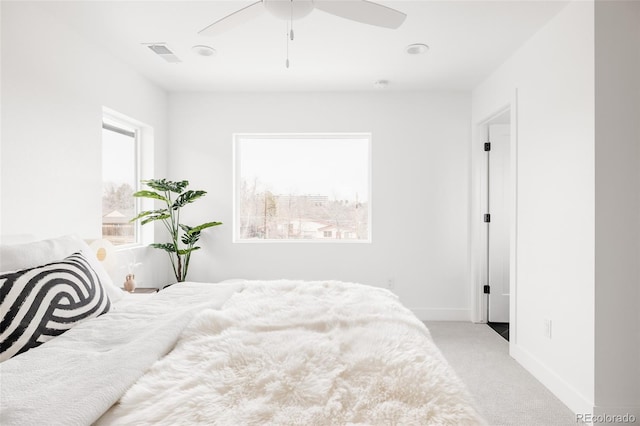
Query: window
point(120, 177)
point(302, 187)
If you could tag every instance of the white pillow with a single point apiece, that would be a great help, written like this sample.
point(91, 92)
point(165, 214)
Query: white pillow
point(23, 256)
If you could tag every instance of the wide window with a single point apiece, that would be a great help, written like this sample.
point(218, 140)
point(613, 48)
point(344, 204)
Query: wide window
point(302, 187)
point(120, 177)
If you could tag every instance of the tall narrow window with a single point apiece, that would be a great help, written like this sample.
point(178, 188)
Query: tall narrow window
point(119, 181)
point(302, 187)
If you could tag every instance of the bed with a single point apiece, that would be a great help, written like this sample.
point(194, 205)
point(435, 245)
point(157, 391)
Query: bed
point(231, 353)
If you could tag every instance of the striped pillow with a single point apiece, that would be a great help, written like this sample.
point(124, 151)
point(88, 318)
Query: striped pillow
point(40, 303)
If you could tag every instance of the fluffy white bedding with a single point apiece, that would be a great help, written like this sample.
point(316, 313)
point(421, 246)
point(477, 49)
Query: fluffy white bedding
point(74, 378)
point(304, 353)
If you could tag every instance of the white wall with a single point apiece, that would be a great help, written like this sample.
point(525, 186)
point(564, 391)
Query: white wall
point(54, 85)
point(577, 114)
point(419, 196)
point(554, 242)
point(617, 210)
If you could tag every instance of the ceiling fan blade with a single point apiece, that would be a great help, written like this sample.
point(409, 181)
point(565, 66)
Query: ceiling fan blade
point(238, 17)
point(362, 11)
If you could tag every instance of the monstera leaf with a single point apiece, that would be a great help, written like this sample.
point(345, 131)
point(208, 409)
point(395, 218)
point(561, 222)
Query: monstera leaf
point(164, 185)
point(164, 191)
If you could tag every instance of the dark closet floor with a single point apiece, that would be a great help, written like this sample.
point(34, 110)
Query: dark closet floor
point(502, 328)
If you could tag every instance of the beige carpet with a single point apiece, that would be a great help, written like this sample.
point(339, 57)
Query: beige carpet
point(505, 393)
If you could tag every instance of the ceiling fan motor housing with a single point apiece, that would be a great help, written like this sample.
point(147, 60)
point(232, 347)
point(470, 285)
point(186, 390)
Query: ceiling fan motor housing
point(289, 9)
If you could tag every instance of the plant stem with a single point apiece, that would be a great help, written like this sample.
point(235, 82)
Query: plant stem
point(187, 258)
point(180, 258)
point(174, 236)
point(166, 224)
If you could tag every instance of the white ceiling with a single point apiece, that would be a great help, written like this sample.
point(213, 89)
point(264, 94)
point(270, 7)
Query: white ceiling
point(467, 39)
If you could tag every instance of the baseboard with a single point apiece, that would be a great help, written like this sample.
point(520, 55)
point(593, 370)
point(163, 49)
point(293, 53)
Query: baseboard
point(438, 314)
point(559, 387)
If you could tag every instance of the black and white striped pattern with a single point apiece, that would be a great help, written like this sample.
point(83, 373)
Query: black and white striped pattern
point(40, 303)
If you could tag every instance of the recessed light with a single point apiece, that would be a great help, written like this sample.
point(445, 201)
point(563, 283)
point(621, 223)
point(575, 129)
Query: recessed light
point(203, 50)
point(381, 84)
point(417, 49)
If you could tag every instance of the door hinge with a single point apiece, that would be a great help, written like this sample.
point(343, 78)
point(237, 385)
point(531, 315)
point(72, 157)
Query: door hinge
point(487, 289)
point(487, 218)
point(487, 146)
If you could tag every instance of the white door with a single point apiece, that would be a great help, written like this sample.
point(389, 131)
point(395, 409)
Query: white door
point(499, 201)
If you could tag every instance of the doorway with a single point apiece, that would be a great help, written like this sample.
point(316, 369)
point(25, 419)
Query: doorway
point(496, 200)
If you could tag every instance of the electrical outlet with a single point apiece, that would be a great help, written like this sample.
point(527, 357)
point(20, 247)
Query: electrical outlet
point(547, 328)
point(391, 283)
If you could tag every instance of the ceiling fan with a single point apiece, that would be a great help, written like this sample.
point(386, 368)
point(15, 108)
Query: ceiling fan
point(355, 10)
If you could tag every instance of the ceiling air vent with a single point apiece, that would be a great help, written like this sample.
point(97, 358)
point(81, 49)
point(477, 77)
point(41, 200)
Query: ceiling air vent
point(163, 51)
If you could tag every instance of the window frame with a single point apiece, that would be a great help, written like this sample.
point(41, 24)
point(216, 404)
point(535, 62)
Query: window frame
point(237, 137)
point(143, 151)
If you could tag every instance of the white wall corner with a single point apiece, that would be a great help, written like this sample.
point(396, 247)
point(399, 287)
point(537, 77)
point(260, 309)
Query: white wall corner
point(554, 113)
point(617, 207)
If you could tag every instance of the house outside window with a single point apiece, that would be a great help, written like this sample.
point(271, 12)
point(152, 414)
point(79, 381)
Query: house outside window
point(302, 187)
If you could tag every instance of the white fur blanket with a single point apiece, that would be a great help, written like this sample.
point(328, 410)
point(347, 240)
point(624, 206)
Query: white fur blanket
point(301, 353)
point(74, 378)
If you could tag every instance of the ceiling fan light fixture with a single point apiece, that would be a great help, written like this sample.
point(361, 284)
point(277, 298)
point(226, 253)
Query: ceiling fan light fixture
point(363, 11)
point(202, 50)
point(417, 49)
point(288, 9)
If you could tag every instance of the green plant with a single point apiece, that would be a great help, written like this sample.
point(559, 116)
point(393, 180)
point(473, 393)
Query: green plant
point(175, 196)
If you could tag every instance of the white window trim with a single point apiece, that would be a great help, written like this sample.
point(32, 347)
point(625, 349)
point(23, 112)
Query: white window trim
point(144, 166)
point(236, 186)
